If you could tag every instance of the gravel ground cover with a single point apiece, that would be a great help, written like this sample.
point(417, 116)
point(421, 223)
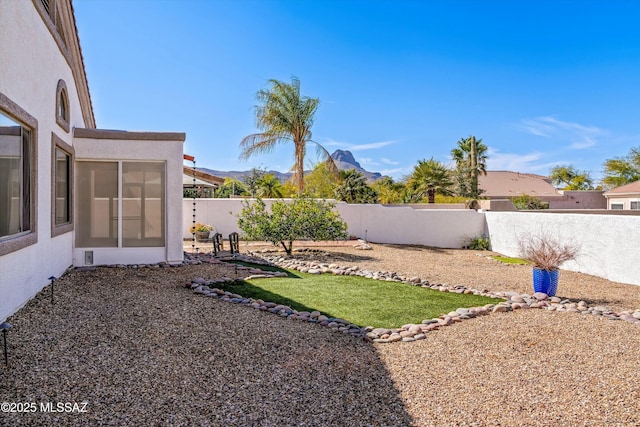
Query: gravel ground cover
point(143, 350)
point(470, 268)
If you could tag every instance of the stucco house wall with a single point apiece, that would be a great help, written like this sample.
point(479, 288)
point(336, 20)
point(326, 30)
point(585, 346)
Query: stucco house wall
point(623, 202)
point(573, 199)
point(166, 147)
point(40, 57)
point(26, 44)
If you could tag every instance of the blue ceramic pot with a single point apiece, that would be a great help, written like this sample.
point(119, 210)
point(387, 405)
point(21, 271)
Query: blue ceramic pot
point(545, 281)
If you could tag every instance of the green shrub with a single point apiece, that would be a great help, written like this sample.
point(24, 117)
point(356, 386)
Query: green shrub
point(481, 243)
point(527, 202)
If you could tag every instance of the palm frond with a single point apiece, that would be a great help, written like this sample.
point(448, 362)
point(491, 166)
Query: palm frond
point(325, 156)
point(260, 143)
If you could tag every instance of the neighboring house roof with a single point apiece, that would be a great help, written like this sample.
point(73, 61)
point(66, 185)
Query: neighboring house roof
point(187, 182)
point(629, 189)
point(506, 184)
point(213, 180)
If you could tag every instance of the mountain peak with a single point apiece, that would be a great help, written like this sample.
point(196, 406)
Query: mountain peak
point(344, 160)
point(345, 156)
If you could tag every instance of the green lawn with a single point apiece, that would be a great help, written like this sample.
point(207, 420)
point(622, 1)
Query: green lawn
point(365, 302)
point(510, 260)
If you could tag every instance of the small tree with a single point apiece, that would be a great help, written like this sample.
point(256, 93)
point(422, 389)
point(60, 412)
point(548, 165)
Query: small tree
point(320, 182)
point(388, 190)
point(231, 187)
point(302, 218)
point(252, 180)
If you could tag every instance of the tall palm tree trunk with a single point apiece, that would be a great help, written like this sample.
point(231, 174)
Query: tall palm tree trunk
point(300, 166)
point(474, 167)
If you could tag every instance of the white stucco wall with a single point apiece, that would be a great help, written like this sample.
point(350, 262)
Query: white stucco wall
point(441, 228)
point(609, 243)
point(30, 67)
point(142, 150)
point(625, 201)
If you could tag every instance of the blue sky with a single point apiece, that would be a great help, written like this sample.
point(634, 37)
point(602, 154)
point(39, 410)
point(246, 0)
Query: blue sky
point(541, 82)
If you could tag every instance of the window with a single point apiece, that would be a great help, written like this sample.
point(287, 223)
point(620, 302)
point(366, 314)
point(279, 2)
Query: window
point(97, 202)
point(51, 10)
point(62, 106)
point(617, 206)
point(142, 204)
point(63, 172)
point(134, 219)
point(17, 177)
point(61, 186)
point(634, 205)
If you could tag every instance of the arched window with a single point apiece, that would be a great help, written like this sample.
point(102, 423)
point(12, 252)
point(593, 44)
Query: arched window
point(62, 106)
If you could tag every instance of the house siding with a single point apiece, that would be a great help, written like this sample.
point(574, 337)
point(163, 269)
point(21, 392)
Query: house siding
point(26, 45)
point(33, 64)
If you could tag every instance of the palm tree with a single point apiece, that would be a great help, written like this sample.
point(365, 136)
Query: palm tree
point(353, 188)
point(284, 115)
point(269, 186)
point(428, 178)
point(471, 160)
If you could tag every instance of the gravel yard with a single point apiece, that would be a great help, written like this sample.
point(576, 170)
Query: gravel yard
point(143, 350)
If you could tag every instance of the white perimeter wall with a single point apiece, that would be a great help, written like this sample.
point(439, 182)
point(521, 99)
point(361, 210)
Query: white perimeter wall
point(441, 228)
point(609, 243)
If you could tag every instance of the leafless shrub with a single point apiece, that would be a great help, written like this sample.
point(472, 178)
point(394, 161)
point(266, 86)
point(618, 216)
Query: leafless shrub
point(545, 251)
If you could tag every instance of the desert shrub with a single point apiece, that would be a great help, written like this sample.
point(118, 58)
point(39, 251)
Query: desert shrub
point(527, 202)
point(481, 243)
point(545, 251)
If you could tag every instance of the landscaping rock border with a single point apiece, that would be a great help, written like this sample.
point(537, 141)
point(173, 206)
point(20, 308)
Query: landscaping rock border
point(407, 333)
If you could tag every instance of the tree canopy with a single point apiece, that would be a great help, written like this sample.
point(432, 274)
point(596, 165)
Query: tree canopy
point(284, 115)
point(301, 218)
point(269, 186)
point(622, 170)
point(428, 178)
point(353, 188)
point(388, 190)
point(320, 182)
point(566, 177)
point(231, 187)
